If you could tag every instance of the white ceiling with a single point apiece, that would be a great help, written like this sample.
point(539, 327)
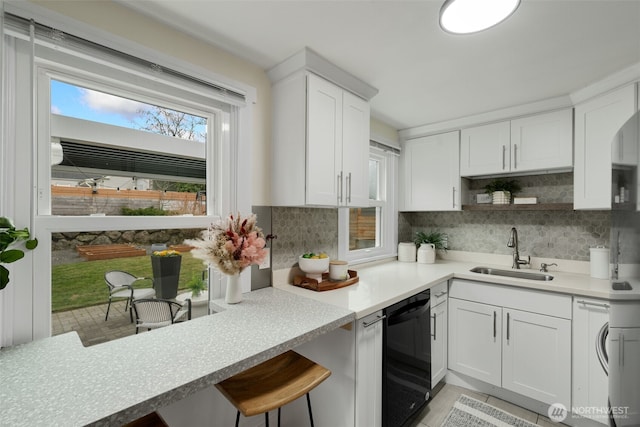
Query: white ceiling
point(548, 48)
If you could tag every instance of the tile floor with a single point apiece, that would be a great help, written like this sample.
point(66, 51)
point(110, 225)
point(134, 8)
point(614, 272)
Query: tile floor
point(446, 396)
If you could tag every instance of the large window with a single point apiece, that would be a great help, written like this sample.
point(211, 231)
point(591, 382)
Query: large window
point(369, 233)
point(116, 155)
point(107, 147)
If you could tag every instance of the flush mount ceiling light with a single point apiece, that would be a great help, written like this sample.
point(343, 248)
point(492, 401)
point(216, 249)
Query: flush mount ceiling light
point(472, 16)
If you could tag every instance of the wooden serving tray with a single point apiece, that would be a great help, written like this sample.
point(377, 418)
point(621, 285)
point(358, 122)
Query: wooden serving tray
point(326, 284)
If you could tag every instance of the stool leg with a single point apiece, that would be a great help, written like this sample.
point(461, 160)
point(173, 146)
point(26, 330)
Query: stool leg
point(278, 417)
point(237, 418)
point(309, 406)
point(266, 419)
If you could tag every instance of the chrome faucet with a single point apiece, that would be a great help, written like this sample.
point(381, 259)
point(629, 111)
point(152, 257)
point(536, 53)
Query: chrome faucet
point(513, 243)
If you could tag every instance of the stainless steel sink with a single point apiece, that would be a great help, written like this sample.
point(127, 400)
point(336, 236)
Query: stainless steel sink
point(512, 273)
point(621, 286)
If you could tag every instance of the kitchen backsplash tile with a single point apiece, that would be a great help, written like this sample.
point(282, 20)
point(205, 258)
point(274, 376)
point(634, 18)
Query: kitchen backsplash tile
point(550, 234)
point(301, 230)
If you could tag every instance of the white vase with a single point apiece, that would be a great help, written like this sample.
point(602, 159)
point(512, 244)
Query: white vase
point(427, 253)
point(234, 291)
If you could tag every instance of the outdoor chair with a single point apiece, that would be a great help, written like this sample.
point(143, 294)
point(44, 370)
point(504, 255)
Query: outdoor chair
point(157, 313)
point(120, 285)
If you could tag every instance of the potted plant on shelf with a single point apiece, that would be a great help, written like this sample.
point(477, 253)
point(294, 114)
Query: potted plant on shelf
point(428, 243)
point(9, 235)
point(502, 190)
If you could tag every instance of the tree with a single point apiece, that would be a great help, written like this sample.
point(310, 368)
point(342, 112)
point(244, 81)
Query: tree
point(178, 124)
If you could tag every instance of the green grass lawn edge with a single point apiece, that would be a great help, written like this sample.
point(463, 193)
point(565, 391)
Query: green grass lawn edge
point(82, 284)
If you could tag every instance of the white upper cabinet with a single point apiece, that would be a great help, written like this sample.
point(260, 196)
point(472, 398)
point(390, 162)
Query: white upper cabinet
point(532, 143)
point(596, 124)
point(485, 149)
point(355, 150)
point(543, 141)
point(430, 173)
point(319, 158)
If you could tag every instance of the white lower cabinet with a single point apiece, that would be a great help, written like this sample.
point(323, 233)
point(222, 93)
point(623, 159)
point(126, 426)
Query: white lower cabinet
point(439, 333)
point(369, 371)
point(475, 343)
point(590, 381)
point(536, 356)
point(519, 350)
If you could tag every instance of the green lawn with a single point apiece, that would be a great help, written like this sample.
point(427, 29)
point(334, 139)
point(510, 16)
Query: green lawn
point(82, 284)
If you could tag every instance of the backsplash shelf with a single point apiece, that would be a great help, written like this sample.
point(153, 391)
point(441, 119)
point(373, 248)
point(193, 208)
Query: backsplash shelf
point(512, 207)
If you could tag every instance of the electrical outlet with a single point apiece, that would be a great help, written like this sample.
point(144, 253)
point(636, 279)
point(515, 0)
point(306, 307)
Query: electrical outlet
point(267, 260)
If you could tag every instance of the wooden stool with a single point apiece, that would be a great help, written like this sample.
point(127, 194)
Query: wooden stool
point(273, 384)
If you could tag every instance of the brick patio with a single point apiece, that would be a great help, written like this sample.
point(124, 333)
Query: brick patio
point(90, 325)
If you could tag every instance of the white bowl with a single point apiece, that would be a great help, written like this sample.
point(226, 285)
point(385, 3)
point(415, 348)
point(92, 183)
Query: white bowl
point(314, 267)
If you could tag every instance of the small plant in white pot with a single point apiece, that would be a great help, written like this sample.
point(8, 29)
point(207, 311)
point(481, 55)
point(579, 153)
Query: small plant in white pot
point(502, 190)
point(428, 244)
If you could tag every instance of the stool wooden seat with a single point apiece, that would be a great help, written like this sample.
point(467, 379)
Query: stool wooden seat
point(273, 384)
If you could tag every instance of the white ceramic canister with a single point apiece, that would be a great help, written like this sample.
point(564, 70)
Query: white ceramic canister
point(599, 262)
point(338, 270)
point(406, 252)
point(427, 253)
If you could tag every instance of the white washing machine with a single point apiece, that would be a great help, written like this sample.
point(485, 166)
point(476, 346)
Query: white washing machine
point(624, 362)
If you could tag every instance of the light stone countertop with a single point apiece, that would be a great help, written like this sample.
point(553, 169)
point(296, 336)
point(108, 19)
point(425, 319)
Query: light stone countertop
point(58, 382)
point(386, 283)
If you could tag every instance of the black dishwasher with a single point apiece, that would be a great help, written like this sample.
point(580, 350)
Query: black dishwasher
point(406, 360)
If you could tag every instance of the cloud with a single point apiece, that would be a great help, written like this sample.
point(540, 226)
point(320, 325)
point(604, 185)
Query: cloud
point(106, 103)
point(55, 110)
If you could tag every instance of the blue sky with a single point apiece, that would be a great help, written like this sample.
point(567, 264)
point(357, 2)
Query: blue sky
point(69, 100)
point(81, 103)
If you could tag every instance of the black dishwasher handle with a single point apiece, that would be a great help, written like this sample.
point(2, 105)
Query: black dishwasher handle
point(409, 312)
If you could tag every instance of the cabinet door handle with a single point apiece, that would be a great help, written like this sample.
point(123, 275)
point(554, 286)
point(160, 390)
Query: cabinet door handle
point(453, 192)
point(340, 188)
point(439, 294)
point(434, 326)
point(349, 188)
point(373, 322)
point(504, 152)
point(515, 156)
point(595, 304)
point(494, 324)
point(508, 327)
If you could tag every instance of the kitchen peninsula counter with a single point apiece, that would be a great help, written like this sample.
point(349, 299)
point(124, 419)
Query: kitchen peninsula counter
point(58, 382)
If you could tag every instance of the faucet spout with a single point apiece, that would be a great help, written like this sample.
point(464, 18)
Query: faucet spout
point(513, 243)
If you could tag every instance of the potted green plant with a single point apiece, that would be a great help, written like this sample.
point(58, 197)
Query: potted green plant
point(9, 235)
point(502, 189)
point(436, 238)
point(196, 285)
point(428, 244)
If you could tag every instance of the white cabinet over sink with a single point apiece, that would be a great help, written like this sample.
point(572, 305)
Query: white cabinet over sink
point(533, 143)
